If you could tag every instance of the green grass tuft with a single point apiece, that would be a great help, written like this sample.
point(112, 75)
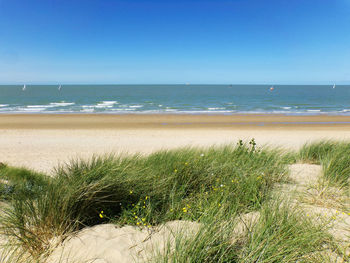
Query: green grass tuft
point(333, 156)
point(282, 233)
point(16, 182)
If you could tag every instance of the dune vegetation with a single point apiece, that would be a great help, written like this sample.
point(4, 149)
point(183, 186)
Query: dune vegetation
point(214, 187)
point(333, 156)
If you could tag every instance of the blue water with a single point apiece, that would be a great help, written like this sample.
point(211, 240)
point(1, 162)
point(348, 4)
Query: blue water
point(191, 99)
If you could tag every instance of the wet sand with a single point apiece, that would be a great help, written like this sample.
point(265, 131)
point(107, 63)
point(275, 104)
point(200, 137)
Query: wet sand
point(42, 141)
point(160, 121)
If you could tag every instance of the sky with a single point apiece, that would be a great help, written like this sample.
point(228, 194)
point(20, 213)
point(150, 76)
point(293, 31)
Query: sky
point(174, 42)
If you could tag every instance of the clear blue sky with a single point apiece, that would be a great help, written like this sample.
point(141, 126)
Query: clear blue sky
point(195, 41)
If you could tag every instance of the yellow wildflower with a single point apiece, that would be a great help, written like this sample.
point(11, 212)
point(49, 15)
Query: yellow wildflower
point(101, 214)
point(130, 191)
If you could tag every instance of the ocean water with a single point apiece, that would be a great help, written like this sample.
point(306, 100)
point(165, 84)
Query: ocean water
point(188, 99)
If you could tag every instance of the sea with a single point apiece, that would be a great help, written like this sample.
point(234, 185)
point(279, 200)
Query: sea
point(176, 99)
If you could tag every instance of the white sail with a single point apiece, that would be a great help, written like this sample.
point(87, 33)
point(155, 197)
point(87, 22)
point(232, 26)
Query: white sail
point(24, 87)
point(59, 87)
point(334, 86)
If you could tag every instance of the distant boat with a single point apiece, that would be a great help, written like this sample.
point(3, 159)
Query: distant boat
point(59, 87)
point(24, 87)
point(334, 86)
point(272, 88)
point(187, 84)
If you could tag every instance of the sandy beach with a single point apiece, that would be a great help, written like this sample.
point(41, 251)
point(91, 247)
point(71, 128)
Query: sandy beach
point(42, 141)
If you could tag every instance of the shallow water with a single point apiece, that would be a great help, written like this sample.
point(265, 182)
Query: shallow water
point(190, 99)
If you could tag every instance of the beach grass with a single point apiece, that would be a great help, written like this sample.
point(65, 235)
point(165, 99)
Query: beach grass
point(334, 156)
point(20, 181)
point(278, 232)
point(213, 186)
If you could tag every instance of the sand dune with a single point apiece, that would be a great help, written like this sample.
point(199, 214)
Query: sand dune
point(108, 243)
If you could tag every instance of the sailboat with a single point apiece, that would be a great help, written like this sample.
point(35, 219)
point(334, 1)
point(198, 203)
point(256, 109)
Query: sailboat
point(59, 87)
point(272, 88)
point(24, 87)
point(334, 86)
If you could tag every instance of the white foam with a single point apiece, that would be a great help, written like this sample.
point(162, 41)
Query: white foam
point(34, 109)
point(313, 110)
point(87, 110)
point(102, 106)
point(216, 108)
point(51, 105)
point(286, 108)
point(123, 109)
point(136, 106)
point(88, 106)
point(3, 105)
point(38, 106)
point(108, 102)
point(61, 104)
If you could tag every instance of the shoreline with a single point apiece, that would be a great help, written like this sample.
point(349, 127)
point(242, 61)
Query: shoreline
point(170, 121)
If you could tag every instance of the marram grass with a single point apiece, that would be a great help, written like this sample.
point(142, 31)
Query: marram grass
point(334, 156)
point(211, 186)
point(281, 233)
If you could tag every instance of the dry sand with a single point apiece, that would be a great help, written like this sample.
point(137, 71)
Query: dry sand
point(109, 243)
point(42, 141)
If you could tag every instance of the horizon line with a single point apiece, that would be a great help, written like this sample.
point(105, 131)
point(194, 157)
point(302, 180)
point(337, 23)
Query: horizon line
point(174, 84)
